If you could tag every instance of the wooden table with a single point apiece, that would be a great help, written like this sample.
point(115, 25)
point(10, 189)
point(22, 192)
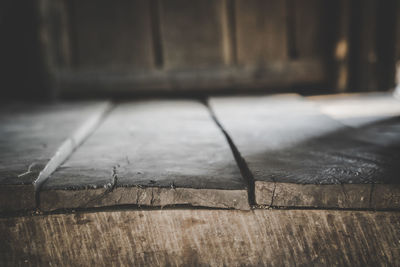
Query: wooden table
point(250, 180)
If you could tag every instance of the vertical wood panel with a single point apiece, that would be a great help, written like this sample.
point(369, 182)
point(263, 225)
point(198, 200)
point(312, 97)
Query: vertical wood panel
point(341, 48)
point(229, 32)
point(365, 54)
point(114, 36)
point(385, 36)
point(397, 46)
point(397, 32)
point(55, 33)
point(307, 27)
point(54, 41)
point(261, 31)
point(191, 33)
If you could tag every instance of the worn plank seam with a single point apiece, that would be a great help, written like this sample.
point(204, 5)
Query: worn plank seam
point(68, 147)
point(240, 161)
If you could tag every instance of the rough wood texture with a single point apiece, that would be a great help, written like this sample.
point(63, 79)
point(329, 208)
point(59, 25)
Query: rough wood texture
point(34, 140)
point(191, 33)
point(152, 153)
point(300, 157)
point(261, 31)
point(357, 110)
point(110, 36)
point(377, 117)
point(203, 238)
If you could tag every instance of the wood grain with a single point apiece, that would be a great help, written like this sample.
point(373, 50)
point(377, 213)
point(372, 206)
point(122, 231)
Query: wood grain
point(34, 141)
point(366, 74)
point(300, 157)
point(203, 238)
point(308, 28)
point(113, 37)
point(210, 79)
point(261, 31)
point(191, 33)
point(151, 153)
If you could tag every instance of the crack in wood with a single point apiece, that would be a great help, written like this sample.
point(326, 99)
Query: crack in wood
point(371, 195)
point(273, 195)
point(69, 146)
point(240, 161)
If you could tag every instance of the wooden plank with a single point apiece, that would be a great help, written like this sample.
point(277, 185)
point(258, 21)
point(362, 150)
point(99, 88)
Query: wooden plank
point(274, 75)
point(55, 47)
point(34, 141)
point(397, 43)
point(341, 53)
point(308, 39)
point(191, 33)
point(300, 157)
point(54, 30)
point(380, 112)
point(203, 238)
point(151, 153)
point(111, 36)
point(356, 110)
point(261, 31)
point(366, 74)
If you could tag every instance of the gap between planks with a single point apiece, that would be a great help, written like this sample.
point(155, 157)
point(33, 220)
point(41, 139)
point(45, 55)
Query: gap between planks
point(69, 145)
point(242, 165)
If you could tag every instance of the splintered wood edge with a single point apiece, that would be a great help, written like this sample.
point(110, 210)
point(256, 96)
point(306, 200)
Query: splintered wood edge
point(23, 197)
point(347, 196)
point(73, 142)
point(51, 200)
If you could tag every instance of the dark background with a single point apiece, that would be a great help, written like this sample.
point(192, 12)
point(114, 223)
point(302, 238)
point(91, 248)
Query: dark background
point(55, 49)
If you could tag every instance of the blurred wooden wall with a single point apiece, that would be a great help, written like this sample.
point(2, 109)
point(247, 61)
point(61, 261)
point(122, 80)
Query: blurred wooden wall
point(92, 47)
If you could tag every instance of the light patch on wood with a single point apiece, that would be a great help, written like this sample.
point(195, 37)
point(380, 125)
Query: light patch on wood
point(203, 238)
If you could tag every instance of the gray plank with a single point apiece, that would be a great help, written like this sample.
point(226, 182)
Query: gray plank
point(34, 140)
point(301, 157)
point(356, 110)
point(376, 117)
point(152, 153)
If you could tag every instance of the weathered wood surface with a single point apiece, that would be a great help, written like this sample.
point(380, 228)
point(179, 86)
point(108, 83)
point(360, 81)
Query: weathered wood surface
point(366, 72)
point(377, 117)
point(341, 48)
point(152, 153)
point(203, 238)
point(34, 140)
point(113, 37)
point(300, 157)
point(357, 110)
point(308, 27)
point(191, 33)
point(261, 31)
point(193, 80)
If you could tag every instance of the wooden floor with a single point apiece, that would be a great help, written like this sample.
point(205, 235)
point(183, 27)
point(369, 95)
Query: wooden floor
point(250, 180)
point(190, 237)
